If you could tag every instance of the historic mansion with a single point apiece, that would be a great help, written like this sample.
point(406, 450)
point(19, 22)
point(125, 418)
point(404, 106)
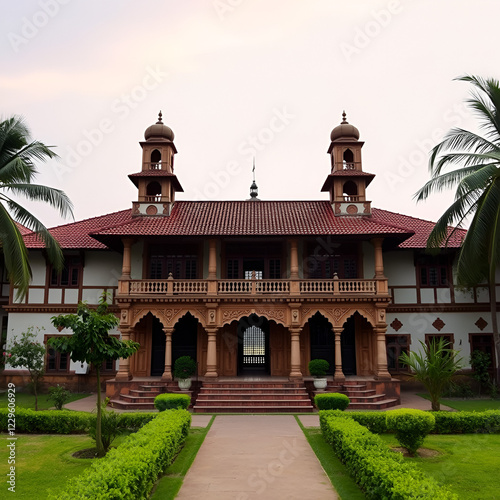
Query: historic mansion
point(253, 289)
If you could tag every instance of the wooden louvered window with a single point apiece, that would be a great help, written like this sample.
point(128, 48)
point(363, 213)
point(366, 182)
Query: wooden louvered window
point(71, 274)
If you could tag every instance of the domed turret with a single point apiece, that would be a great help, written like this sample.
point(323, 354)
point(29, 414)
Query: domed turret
point(159, 131)
point(345, 131)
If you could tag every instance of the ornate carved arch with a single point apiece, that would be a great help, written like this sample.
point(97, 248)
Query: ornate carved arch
point(365, 313)
point(308, 313)
point(194, 312)
point(276, 314)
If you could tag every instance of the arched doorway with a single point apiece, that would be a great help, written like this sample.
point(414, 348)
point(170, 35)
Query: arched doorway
point(253, 346)
point(185, 337)
point(157, 347)
point(322, 340)
point(348, 346)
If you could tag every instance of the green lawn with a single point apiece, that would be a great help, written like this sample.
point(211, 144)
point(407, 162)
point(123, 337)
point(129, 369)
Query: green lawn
point(468, 463)
point(342, 481)
point(170, 483)
point(44, 461)
point(26, 400)
point(473, 404)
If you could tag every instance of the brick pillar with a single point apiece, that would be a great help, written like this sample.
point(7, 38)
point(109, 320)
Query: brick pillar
point(382, 372)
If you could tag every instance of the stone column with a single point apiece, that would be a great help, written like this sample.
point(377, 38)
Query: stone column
point(167, 372)
point(212, 353)
point(379, 261)
point(127, 258)
point(339, 374)
point(295, 354)
point(294, 260)
point(212, 259)
point(124, 366)
point(382, 373)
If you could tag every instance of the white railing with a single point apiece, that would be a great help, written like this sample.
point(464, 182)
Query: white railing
point(248, 287)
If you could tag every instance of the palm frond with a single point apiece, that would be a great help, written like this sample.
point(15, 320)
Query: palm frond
point(15, 253)
point(35, 192)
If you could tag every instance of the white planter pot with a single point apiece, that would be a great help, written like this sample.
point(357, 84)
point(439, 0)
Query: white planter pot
point(184, 384)
point(320, 383)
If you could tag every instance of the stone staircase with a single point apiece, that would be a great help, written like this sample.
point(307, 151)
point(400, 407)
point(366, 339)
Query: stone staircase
point(361, 396)
point(253, 397)
point(143, 397)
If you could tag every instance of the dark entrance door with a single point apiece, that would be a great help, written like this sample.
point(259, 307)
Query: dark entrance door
point(322, 340)
point(253, 346)
point(157, 349)
point(185, 338)
point(348, 345)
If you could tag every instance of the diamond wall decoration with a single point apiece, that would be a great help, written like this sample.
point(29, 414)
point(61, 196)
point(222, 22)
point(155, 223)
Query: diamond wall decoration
point(396, 324)
point(438, 324)
point(481, 323)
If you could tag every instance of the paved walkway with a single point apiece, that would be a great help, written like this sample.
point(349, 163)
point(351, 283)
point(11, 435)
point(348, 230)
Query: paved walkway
point(246, 457)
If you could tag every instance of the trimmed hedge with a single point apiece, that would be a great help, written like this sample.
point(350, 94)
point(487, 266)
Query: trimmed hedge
point(172, 401)
point(66, 421)
point(130, 471)
point(379, 472)
point(331, 401)
point(411, 427)
point(460, 422)
point(47, 421)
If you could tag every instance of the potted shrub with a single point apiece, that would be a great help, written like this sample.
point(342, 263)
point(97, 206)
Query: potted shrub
point(184, 369)
point(318, 369)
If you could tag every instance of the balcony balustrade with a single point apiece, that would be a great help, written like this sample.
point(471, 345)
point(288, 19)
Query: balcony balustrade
point(258, 287)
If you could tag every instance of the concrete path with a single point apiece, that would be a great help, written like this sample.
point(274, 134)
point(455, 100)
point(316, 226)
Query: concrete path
point(246, 457)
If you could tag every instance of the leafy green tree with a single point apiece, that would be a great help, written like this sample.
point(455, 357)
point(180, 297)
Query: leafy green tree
point(434, 367)
point(480, 362)
point(27, 352)
point(18, 153)
point(477, 181)
point(92, 343)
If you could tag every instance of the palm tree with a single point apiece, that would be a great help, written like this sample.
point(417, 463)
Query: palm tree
point(17, 170)
point(477, 181)
point(434, 367)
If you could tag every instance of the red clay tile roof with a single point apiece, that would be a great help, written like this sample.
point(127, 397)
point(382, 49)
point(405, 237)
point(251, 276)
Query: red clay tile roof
point(422, 229)
point(76, 234)
point(156, 173)
point(22, 229)
point(251, 218)
point(346, 173)
point(240, 218)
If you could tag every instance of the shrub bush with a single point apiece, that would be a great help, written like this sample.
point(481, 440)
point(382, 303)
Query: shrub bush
point(318, 367)
point(172, 401)
point(130, 471)
point(379, 472)
point(184, 367)
point(59, 395)
point(47, 422)
point(331, 401)
point(411, 427)
point(111, 426)
point(374, 421)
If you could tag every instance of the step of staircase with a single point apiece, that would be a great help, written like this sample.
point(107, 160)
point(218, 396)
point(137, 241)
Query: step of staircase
point(252, 397)
point(144, 397)
point(361, 398)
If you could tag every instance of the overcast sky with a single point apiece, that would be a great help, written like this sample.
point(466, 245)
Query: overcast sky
point(235, 78)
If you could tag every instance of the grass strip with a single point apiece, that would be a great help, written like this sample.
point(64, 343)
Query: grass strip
point(170, 483)
point(26, 400)
point(341, 480)
point(473, 404)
